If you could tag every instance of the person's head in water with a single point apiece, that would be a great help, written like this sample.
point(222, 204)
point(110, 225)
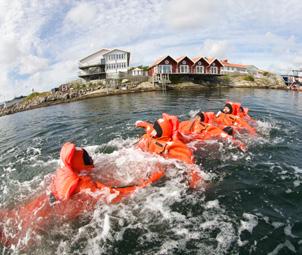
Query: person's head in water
point(243, 111)
point(76, 158)
point(162, 128)
point(228, 109)
point(204, 117)
point(229, 130)
point(200, 115)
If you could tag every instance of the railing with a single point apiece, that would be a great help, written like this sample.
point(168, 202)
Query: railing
point(101, 62)
point(91, 72)
point(162, 78)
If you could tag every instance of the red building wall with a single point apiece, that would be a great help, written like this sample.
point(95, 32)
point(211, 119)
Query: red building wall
point(187, 61)
point(215, 63)
point(175, 66)
point(166, 61)
point(169, 61)
point(151, 71)
point(200, 62)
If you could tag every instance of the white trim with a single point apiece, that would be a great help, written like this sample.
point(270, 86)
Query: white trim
point(213, 70)
point(163, 68)
point(197, 69)
point(184, 69)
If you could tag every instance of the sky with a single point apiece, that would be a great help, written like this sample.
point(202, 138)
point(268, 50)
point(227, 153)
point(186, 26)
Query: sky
point(42, 42)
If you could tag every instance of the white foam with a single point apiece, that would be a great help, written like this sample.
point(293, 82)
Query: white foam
point(288, 231)
point(297, 183)
point(212, 204)
point(192, 113)
point(277, 224)
point(106, 227)
point(249, 223)
point(297, 169)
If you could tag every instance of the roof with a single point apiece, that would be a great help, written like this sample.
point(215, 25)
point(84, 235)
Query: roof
point(160, 60)
point(198, 58)
point(225, 63)
point(95, 53)
point(114, 50)
point(106, 51)
point(179, 59)
point(211, 60)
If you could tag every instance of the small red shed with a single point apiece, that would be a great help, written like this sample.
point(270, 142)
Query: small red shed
point(163, 65)
point(214, 67)
point(184, 64)
point(200, 65)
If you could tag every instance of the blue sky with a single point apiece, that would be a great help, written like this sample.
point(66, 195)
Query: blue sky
point(42, 41)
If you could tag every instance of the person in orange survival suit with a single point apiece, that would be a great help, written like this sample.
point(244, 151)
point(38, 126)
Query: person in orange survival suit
point(164, 139)
point(238, 110)
point(226, 118)
point(43, 210)
point(65, 201)
point(68, 179)
point(199, 128)
point(74, 177)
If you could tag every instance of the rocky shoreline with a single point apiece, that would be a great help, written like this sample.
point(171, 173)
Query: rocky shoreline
point(45, 99)
point(38, 100)
point(266, 81)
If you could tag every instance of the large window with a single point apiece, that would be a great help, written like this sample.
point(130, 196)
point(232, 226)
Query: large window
point(164, 69)
point(199, 69)
point(214, 70)
point(184, 69)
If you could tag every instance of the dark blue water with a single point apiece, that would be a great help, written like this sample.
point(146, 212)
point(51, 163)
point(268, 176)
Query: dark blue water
point(252, 203)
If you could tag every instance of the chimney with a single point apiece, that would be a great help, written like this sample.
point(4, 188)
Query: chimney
point(225, 60)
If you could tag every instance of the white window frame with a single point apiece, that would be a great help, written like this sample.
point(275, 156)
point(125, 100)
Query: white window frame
point(197, 69)
point(214, 70)
point(162, 67)
point(184, 69)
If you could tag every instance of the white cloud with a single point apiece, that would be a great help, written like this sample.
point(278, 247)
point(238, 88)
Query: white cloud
point(32, 64)
point(9, 51)
point(218, 49)
point(82, 14)
point(193, 13)
point(53, 76)
point(42, 41)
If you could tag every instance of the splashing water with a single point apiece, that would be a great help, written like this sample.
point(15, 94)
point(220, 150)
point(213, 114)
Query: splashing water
point(249, 205)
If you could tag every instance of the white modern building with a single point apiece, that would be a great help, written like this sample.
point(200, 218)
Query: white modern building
point(116, 61)
point(233, 68)
point(105, 63)
point(137, 71)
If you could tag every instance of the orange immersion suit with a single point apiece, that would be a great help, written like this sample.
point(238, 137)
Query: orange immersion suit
point(238, 124)
point(198, 130)
point(163, 138)
point(223, 120)
point(238, 110)
point(66, 201)
point(168, 145)
point(201, 131)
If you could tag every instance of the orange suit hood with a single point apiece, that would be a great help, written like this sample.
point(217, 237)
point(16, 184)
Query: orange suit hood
point(74, 158)
point(67, 152)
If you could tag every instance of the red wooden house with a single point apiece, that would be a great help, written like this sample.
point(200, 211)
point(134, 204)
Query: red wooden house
point(214, 66)
point(200, 65)
point(163, 65)
point(184, 64)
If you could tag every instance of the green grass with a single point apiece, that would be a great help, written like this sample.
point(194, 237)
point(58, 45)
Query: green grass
point(265, 73)
point(226, 78)
point(248, 78)
point(35, 95)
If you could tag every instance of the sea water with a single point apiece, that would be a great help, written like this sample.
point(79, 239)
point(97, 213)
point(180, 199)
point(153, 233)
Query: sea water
point(251, 202)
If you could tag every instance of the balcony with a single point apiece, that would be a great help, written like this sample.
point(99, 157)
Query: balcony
point(101, 63)
point(91, 71)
